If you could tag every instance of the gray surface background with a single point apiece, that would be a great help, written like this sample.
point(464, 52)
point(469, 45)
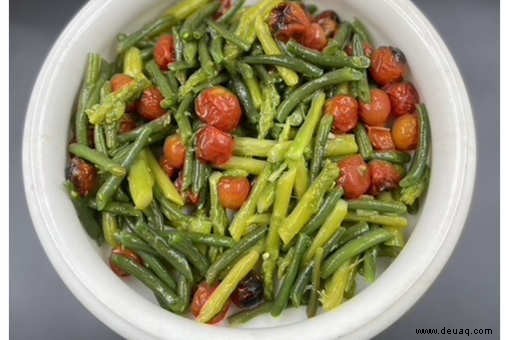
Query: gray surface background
point(466, 295)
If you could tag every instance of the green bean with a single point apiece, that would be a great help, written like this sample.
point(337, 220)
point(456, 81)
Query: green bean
point(85, 214)
point(300, 284)
point(99, 141)
point(315, 283)
point(172, 212)
point(266, 199)
point(162, 83)
point(211, 240)
point(117, 208)
point(238, 225)
point(172, 81)
point(341, 145)
point(353, 248)
point(363, 141)
point(369, 265)
point(244, 96)
point(283, 192)
point(418, 168)
point(161, 179)
point(307, 69)
point(302, 177)
point(217, 213)
point(361, 30)
point(206, 61)
point(157, 125)
point(227, 17)
point(377, 205)
point(245, 31)
point(97, 158)
point(268, 109)
point(185, 129)
point(284, 263)
point(108, 188)
point(147, 30)
point(353, 231)
point(111, 133)
point(133, 242)
point(189, 52)
point(351, 284)
point(397, 157)
point(193, 21)
point(229, 36)
point(175, 258)
point(251, 165)
point(333, 242)
point(216, 48)
point(188, 169)
point(308, 204)
point(183, 9)
point(412, 193)
point(343, 37)
point(251, 82)
point(152, 263)
point(306, 131)
point(154, 216)
point(333, 294)
point(147, 277)
point(222, 78)
point(386, 220)
point(186, 247)
point(184, 292)
point(200, 76)
point(264, 75)
point(328, 79)
point(248, 314)
point(200, 174)
point(284, 291)
point(141, 182)
point(331, 61)
point(363, 90)
point(93, 72)
point(321, 137)
point(252, 147)
point(325, 209)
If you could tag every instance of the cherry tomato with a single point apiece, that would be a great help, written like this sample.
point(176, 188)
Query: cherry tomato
point(84, 176)
point(120, 81)
point(127, 254)
point(174, 151)
point(220, 108)
point(403, 96)
point(381, 138)
point(226, 5)
point(149, 106)
point(388, 65)
point(168, 169)
point(314, 37)
point(193, 198)
point(345, 111)
point(329, 21)
point(355, 178)
point(200, 297)
point(233, 192)
point(384, 176)
point(405, 132)
point(214, 146)
point(127, 123)
point(164, 52)
point(289, 21)
point(249, 292)
point(377, 112)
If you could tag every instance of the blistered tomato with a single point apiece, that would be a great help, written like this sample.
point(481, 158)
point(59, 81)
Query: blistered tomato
point(174, 151)
point(381, 138)
point(355, 178)
point(345, 110)
point(120, 81)
point(384, 176)
point(405, 132)
point(149, 106)
point(377, 112)
point(84, 176)
point(220, 108)
point(233, 192)
point(403, 97)
point(214, 146)
point(164, 52)
point(388, 65)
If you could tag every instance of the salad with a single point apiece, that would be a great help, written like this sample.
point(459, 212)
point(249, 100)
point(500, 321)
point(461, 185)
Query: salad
point(240, 160)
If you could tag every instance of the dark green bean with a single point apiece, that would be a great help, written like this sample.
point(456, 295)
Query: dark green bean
point(190, 163)
point(156, 217)
point(133, 242)
point(157, 125)
point(232, 254)
point(362, 31)
point(328, 205)
point(301, 282)
point(343, 37)
point(222, 78)
point(322, 134)
point(394, 207)
point(307, 69)
point(172, 211)
point(396, 157)
point(206, 61)
point(216, 48)
point(229, 35)
point(331, 61)
point(148, 30)
point(99, 140)
point(192, 22)
point(117, 208)
point(183, 245)
point(251, 82)
point(363, 141)
point(307, 89)
point(185, 129)
point(211, 239)
point(152, 263)
point(353, 231)
point(85, 215)
point(249, 314)
point(333, 242)
point(315, 283)
point(170, 96)
point(369, 266)
point(184, 292)
point(97, 158)
point(244, 96)
point(232, 13)
point(363, 90)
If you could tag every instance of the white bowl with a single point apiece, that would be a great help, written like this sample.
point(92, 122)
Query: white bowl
point(127, 309)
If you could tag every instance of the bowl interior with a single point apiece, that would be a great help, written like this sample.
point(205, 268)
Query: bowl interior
point(130, 308)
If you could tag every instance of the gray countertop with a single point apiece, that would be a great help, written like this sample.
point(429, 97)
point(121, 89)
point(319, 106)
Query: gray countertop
point(466, 294)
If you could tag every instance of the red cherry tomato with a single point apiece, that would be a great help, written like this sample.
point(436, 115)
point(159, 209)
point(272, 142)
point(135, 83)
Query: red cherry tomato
point(388, 65)
point(329, 21)
point(164, 52)
point(127, 254)
point(149, 106)
point(84, 176)
point(193, 198)
point(314, 37)
point(127, 124)
point(174, 151)
point(403, 96)
point(220, 108)
point(214, 146)
point(405, 132)
point(289, 21)
point(345, 111)
point(355, 178)
point(200, 297)
point(381, 138)
point(377, 112)
point(168, 169)
point(233, 192)
point(120, 81)
point(384, 176)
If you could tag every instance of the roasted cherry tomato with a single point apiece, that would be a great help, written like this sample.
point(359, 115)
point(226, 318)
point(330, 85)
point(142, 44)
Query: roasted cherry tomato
point(249, 292)
point(403, 98)
point(355, 178)
point(127, 123)
point(226, 5)
point(164, 52)
point(384, 176)
point(314, 37)
point(377, 112)
point(168, 169)
point(220, 108)
point(203, 292)
point(405, 132)
point(127, 254)
point(149, 106)
point(174, 151)
point(193, 198)
point(381, 138)
point(345, 111)
point(289, 21)
point(214, 146)
point(329, 21)
point(84, 176)
point(388, 65)
point(120, 81)
point(233, 192)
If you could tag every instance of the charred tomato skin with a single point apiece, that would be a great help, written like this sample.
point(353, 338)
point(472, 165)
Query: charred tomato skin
point(385, 176)
point(149, 106)
point(200, 297)
point(329, 21)
point(403, 97)
point(249, 292)
point(388, 65)
point(83, 176)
